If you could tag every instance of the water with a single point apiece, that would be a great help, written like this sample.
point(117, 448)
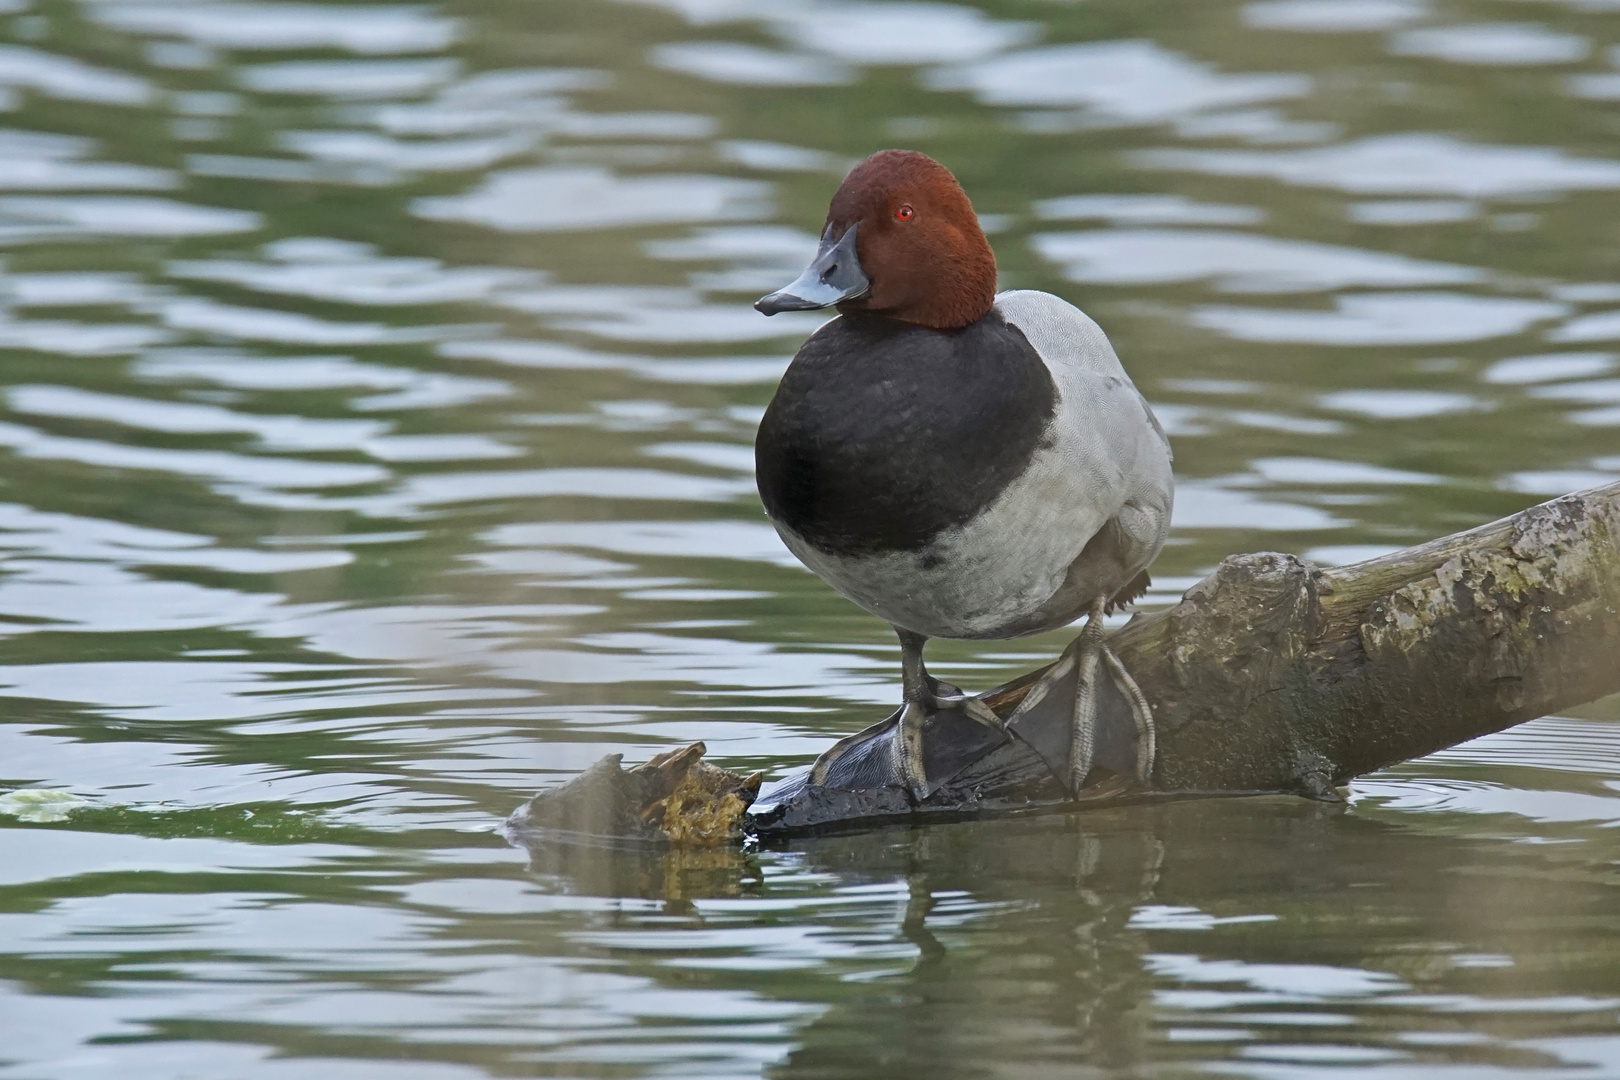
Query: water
point(379, 383)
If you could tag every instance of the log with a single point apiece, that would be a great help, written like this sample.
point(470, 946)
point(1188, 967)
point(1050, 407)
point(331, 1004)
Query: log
point(1277, 675)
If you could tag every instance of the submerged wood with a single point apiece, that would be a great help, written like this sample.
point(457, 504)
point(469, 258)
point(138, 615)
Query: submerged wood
point(1277, 675)
point(675, 797)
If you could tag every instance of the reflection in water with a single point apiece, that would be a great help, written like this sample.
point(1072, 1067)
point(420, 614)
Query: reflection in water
point(1117, 938)
point(1115, 82)
point(1503, 43)
point(1406, 164)
point(1238, 262)
point(1433, 318)
point(379, 389)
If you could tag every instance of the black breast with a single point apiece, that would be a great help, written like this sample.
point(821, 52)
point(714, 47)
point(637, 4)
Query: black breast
point(883, 434)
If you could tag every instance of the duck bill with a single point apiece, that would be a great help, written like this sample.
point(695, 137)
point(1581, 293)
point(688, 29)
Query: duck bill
point(835, 275)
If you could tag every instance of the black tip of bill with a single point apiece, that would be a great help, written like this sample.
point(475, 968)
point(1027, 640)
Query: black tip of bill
point(782, 300)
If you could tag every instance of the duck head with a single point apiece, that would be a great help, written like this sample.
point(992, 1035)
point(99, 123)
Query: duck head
point(901, 240)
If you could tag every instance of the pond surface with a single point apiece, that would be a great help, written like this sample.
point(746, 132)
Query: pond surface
point(379, 386)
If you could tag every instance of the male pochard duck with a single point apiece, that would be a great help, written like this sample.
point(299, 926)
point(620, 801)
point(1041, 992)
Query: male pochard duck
point(961, 463)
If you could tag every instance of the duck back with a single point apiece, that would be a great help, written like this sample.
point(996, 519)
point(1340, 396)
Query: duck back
point(884, 434)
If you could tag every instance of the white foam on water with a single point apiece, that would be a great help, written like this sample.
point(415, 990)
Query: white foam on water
point(41, 805)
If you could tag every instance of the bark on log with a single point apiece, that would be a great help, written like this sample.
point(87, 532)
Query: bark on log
point(1271, 675)
point(1274, 674)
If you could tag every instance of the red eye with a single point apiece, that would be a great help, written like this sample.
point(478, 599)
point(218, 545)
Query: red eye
point(905, 213)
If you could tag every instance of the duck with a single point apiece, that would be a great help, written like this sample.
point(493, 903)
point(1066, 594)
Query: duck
point(960, 462)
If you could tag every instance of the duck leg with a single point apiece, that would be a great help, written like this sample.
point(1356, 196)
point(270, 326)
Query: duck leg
point(936, 729)
point(923, 695)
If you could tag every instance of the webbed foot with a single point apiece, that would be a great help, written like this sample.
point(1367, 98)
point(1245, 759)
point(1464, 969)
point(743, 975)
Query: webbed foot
point(1084, 661)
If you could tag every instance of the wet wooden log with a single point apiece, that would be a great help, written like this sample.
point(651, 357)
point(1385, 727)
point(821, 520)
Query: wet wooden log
point(1271, 675)
point(1274, 674)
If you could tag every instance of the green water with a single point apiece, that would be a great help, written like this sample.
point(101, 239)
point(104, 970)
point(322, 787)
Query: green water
point(379, 384)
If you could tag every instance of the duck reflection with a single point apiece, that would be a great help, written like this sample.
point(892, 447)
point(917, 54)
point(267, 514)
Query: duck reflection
point(1023, 937)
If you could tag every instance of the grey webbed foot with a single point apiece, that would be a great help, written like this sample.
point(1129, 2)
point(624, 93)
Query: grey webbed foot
point(913, 774)
point(1085, 660)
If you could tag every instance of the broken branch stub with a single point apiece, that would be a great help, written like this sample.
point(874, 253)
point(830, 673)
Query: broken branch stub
point(675, 796)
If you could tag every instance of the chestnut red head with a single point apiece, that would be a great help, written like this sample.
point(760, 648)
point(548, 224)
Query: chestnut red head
point(901, 240)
